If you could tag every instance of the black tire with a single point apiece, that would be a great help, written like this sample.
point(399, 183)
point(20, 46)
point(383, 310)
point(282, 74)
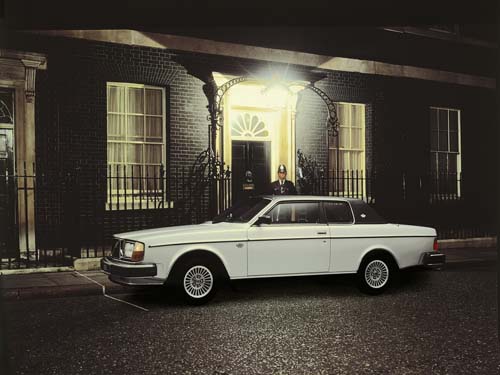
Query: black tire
point(377, 273)
point(197, 280)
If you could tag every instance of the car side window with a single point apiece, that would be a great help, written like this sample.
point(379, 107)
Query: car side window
point(295, 213)
point(338, 213)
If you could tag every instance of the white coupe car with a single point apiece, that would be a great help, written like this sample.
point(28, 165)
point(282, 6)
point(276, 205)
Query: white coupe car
point(273, 236)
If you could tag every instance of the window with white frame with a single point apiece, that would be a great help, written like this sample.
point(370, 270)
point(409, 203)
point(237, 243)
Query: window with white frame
point(445, 151)
point(347, 151)
point(136, 144)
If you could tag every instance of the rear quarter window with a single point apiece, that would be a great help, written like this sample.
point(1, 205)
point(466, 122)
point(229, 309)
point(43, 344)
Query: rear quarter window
point(338, 212)
point(365, 214)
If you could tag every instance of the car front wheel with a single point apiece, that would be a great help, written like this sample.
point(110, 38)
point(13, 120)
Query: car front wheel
point(197, 282)
point(375, 274)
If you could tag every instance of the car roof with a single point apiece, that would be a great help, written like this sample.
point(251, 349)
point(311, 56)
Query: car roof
point(310, 197)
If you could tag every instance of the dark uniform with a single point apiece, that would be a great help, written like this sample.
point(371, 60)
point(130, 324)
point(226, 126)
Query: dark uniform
point(282, 187)
point(287, 188)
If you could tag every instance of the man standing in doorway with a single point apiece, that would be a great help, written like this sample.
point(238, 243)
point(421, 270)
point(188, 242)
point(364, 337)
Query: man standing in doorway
point(282, 186)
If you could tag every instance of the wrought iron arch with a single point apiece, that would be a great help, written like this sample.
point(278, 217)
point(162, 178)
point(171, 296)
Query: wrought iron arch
point(213, 164)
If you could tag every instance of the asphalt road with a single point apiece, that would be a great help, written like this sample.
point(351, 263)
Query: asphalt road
point(433, 322)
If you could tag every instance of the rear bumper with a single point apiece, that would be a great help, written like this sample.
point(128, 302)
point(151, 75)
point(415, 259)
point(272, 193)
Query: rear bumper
point(433, 259)
point(128, 273)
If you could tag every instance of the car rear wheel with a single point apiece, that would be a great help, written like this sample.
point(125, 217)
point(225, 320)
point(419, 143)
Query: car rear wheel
point(376, 274)
point(197, 281)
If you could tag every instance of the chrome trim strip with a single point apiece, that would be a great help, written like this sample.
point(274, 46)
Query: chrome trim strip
point(285, 239)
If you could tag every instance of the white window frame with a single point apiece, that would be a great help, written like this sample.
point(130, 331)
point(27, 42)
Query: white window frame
point(129, 203)
point(362, 150)
point(435, 195)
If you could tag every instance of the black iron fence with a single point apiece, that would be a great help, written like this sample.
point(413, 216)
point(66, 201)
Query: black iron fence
point(52, 218)
point(74, 214)
point(359, 184)
point(437, 200)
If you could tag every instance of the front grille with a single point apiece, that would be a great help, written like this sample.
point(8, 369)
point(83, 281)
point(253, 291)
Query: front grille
point(116, 248)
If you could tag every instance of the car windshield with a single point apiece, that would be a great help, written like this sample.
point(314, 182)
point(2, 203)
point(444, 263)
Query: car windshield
point(242, 211)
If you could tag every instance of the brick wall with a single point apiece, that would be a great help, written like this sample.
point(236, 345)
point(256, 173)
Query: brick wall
point(71, 114)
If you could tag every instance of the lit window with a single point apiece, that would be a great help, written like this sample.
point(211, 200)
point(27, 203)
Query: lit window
point(347, 164)
point(136, 141)
point(445, 152)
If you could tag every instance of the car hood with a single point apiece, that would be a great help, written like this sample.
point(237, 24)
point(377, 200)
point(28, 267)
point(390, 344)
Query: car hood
point(205, 232)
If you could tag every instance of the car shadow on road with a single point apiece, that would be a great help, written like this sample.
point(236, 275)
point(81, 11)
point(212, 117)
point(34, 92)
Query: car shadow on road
point(280, 288)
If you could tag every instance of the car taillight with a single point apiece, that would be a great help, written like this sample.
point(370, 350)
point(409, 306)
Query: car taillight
point(435, 246)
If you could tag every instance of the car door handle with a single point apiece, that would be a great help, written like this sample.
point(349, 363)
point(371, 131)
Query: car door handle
point(321, 232)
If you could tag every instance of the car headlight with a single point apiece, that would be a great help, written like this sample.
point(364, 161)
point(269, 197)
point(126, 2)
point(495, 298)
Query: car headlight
point(133, 250)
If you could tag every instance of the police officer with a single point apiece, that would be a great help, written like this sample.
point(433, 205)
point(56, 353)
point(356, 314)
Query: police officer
point(281, 186)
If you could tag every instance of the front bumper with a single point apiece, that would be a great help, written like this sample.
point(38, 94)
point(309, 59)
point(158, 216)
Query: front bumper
point(433, 259)
point(128, 273)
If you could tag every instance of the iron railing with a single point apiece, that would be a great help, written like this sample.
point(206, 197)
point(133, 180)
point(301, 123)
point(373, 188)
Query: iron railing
point(52, 218)
point(74, 214)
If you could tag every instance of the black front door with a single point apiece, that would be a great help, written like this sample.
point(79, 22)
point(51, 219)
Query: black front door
point(7, 195)
point(250, 156)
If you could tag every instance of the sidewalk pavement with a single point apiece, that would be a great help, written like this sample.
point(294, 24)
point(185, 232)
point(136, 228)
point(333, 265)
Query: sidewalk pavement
point(76, 283)
point(58, 284)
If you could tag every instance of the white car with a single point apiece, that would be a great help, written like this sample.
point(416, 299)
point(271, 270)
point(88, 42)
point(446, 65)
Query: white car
point(273, 236)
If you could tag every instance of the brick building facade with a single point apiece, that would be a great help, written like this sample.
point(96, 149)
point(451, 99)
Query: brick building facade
point(71, 118)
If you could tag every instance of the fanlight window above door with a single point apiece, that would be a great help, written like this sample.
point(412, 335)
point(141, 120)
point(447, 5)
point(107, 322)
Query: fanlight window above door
point(247, 125)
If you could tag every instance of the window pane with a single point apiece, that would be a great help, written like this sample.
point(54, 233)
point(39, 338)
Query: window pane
point(342, 114)
point(134, 153)
point(6, 106)
point(153, 171)
point(135, 128)
point(153, 181)
point(442, 162)
point(152, 154)
point(291, 213)
point(116, 153)
point(454, 141)
point(355, 161)
point(153, 102)
point(134, 172)
point(443, 119)
point(344, 137)
point(135, 100)
point(116, 99)
point(443, 141)
point(355, 138)
point(356, 120)
point(434, 162)
point(343, 160)
point(452, 163)
point(454, 121)
point(154, 129)
point(433, 119)
point(434, 140)
point(338, 212)
point(116, 127)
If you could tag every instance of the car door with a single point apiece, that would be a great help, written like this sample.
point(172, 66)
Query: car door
point(346, 243)
point(297, 241)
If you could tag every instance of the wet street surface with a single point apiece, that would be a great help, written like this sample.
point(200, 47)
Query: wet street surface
point(432, 322)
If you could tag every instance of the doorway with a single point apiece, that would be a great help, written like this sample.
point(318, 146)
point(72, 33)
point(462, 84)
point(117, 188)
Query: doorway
point(8, 202)
point(251, 156)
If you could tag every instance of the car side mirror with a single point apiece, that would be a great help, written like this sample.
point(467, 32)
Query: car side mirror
point(264, 219)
